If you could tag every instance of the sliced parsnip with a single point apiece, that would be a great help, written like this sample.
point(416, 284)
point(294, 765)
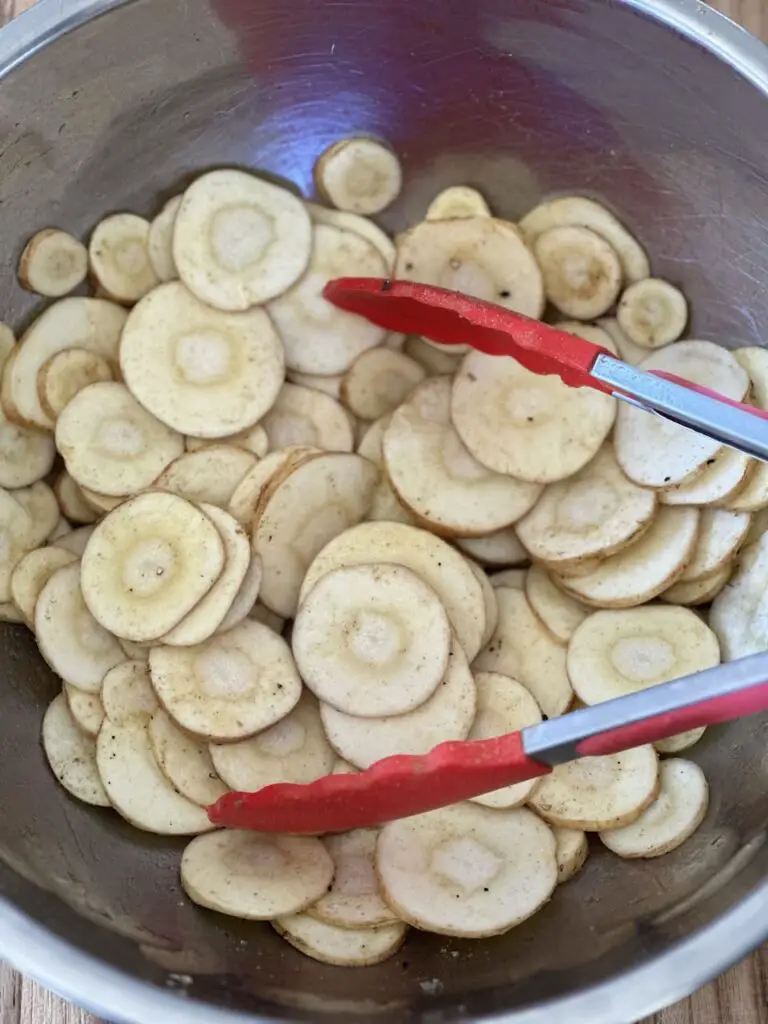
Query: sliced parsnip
point(342, 947)
point(581, 212)
point(372, 640)
point(292, 750)
point(305, 416)
point(353, 900)
point(247, 495)
point(86, 709)
point(435, 476)
point(32, 572)
point(239, 241)
point(489, 600)
point(599, 793)
point(358, 225)
point(447, 715)
point(208, 614)
point(65, 374)
point(252, 439)
point(72, 501)
point(625, 347)
point(210, 475)
point(652, 312)
point(614, 653)
point(255, 876)
point(682, 741)
point(528, 426)
point(75, 541)
point(119, 257)
point(73, 643)
point(737, 615)
point(360, 175)
point(160, 241)
point(503, 706)
point(512, 578)
point(433, 360)
point(439, 565)
point(26, 455)
point(467, 870)
point(72, 754)
point(39, 502)
point(500, 548)
point(320, 338)
point(523, 649)
point(378, 381)
point(560, 613)
point(137, 788)
point(644, 569)
point(700, 591)
point(111, 444)
point(148, 563)
point(721, 534)
point(571, 850)
point(480, 256)
point(721, 478)
point(582, 272)
point(385, 506)
point(185, 761)
point(127, 695)
point(92, 324)
point(639, 438)
point(53, 263)
point(229, 687)
point(199, 370)
point(312, 503)
point(457, 202)
point(246, 596)
point(677, 812)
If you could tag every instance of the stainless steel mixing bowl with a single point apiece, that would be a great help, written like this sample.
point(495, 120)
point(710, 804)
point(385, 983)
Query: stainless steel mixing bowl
point(659, 107)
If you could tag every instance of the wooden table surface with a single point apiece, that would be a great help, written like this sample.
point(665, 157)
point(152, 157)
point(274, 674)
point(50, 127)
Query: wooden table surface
point(738, 997)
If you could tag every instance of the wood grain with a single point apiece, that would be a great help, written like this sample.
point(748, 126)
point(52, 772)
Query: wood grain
point(738, 997)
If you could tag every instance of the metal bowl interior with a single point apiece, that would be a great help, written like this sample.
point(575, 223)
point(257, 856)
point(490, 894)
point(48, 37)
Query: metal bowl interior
point(657, 108)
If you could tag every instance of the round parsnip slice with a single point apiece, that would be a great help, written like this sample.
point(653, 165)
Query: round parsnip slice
point(75, 541)
point(30, 575)
point(72, 642)
point(614, 653)
point(160, 241)
point(652, 313)
point(342, 947)
point(643, 570)
point(439, 565)
point(208, 614)
point(137, 788)
point(489, 600)
point(434, 360)
point(127, 695)
point(295, 749)
point(594, 513)
point(560, 613)
point(677, 812)
point(496, 549)
point(53, 263)
point(72, 501)
point(372, 640)
point(86, 709)
point(247, 495)
point(26, 455)
point(185, 761)
point(599, 793)
point(467, 870)
point(119, 257)
point(639, 438)
point(457, 202)
point(582, 272)
point(571, 850)
point(525, 425)
point(252, 439)
point(39, 502)
point(721, 534)
point(246, 596)
point(525, 650)
point(353, 901)
point(72, 754)
point(199, 370)
point(738, 612)
point(722, 477)
point(480, 256)
point(239, 241)
point(700, 591)
point(92, 324)
point(255, 876)
point(210, 475)
point(313, 502)
point(320, 338)
point(581, 212)
point(65, 374)
point(148, 563)
point(447, 715)
point(111, 444)
point(626, 349)
point(435, 476)
point(362, 226)
point(682, 741)
point(385, 506)
point(229, 687)
point(378, 381)
point(360, 175)
point(503, 705)
point(305, 416)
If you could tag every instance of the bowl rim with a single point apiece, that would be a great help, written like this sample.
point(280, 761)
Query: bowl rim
point(109, 992)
